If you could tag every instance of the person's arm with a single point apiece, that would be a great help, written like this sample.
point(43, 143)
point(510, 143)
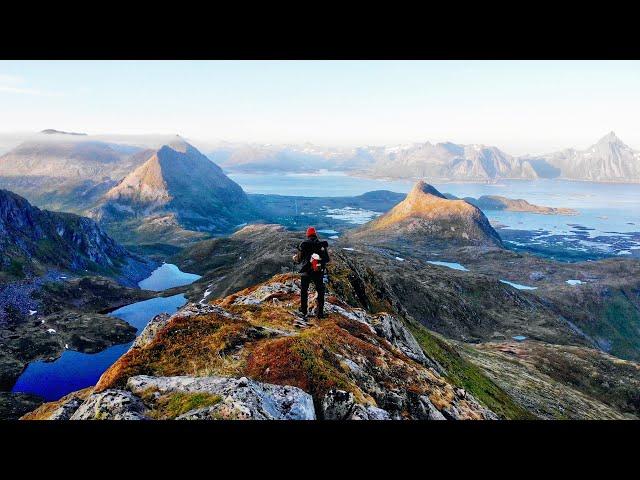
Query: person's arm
point(297, 258)
point(325, 253)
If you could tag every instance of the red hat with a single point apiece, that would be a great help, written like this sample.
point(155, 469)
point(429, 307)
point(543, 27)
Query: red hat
point(311, 232)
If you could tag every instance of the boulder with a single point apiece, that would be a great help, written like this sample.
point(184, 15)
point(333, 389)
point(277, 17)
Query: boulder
point(241, 398)
point(340, 405)
point(536, 276)
point(111, 405)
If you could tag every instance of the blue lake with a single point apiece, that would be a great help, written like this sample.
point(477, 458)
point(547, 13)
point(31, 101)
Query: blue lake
point(74, 370)
point(167, 276)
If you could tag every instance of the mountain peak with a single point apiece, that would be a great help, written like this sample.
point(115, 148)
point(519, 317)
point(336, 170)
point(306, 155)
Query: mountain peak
point(178, 144)
point(421, 188)
point(51, 131)
point(610, 138)
point(426, 215)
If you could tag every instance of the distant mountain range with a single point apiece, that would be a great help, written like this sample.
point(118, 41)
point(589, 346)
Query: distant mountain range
point(163, 191)
point(65, 171)
point(164, 194)
point(608, 160)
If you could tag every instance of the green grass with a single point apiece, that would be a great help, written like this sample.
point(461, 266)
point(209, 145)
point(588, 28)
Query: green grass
point(174, 405)
point(621, 325)
point(464, 374)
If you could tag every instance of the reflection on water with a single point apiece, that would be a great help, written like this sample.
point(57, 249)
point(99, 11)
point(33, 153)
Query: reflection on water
point(606, 209)
point(74, 370)
point(167, 276)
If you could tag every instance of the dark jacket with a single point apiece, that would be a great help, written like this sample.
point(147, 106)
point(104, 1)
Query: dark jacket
point(307, 248)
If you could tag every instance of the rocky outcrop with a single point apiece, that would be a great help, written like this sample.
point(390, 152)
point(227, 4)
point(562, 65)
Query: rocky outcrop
point(256, 334)
point(184, 398)
point(31, 238)
point(151, 330)
point(110, 405)
point(238, 398)
point(67, 409)
point(341, 405)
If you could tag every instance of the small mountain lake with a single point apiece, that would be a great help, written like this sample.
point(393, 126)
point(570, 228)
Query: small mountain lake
point(167, 276)
point(75, 370)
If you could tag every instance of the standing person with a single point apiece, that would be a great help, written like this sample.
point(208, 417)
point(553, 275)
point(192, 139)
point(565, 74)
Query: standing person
point(313, 255)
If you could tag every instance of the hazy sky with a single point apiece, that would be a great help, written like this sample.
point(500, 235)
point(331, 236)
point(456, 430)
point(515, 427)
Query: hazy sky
point(521, 107)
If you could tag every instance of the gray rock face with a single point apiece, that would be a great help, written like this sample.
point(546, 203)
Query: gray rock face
point(423, 409)
point(393, 330)
point(111, 405)
point(72, 242)
point(150, 330)
point(340, 405)
point(67, 409)
point(449, 160)
point(241, 398)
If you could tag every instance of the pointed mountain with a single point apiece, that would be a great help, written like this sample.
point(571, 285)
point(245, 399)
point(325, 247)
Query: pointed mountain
point(611, 138)
point(179, 181)
point(427, 217)
point(608, 160)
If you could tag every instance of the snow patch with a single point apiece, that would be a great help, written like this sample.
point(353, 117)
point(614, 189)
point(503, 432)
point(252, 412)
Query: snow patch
point(452, 265)
point(518, 286)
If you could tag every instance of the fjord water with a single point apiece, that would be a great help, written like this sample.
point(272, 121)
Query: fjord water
point(604, 209)
point(75, 370)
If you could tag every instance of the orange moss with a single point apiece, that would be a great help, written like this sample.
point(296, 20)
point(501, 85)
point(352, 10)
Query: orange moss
point(185, 346)
point(44, 411)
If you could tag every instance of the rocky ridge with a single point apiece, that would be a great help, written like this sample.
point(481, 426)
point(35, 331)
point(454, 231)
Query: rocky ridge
point(34, 240)
point(249, 355)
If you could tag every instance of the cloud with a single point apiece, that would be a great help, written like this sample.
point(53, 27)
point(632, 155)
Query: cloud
point(13, 84)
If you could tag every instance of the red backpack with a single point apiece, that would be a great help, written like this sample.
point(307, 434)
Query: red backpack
point(315, 262)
